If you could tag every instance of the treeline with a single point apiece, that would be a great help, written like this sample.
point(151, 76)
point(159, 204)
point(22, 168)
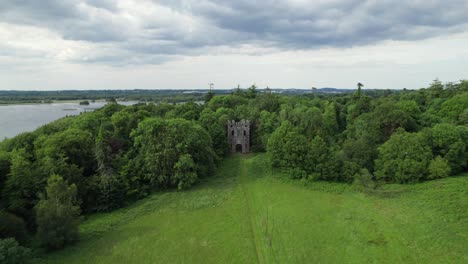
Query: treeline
point(170, 96)
point(106, 159)
point(157, 96)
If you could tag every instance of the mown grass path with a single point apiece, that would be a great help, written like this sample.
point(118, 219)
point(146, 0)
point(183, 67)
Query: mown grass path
point(248, 214)
point(244, 179)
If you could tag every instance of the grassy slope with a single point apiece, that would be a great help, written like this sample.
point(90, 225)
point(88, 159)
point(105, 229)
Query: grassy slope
point(246, 215)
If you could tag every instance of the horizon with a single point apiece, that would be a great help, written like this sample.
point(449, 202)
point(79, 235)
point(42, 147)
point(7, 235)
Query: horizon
point(204, 89)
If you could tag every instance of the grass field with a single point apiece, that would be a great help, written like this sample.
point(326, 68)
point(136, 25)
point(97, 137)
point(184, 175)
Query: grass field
point(247, 214)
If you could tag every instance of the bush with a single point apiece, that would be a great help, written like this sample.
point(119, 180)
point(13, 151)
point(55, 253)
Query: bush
point(11, 252)
point(297, 173)
point(363, 180)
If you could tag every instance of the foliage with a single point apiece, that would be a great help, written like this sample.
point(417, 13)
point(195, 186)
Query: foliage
point(160, 144)
point(12, 226)
point(57, 214)
point(12, 253)
point(438, 168)
point(363, 180)
point(22, 186)
point(448, 142)
point(454, 107)
point(287, 147)
point(403, 158)
point(185, 172)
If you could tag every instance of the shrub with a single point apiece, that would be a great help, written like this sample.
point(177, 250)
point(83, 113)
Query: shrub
point(297, 173)
point(363, 180)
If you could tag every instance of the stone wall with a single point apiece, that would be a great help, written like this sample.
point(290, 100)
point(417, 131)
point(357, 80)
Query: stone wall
point(238, 134)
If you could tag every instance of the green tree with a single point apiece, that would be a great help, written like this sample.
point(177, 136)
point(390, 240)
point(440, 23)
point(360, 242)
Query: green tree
point(12, 253)
point(454, 107)
point(57, 214)
point(438, 168)
point(76, 145)
point(267, 124)
point(330, 122)
point(12, 226)
point(22, 186)
point(390, 117)
point(449, 143)
point(287, 147)
point(185, 172)
point(359, 86)
point(403, 158)
point(252, 92)
point(317, 156)
point(160, 143)
point(209, 96)
point(211, 122)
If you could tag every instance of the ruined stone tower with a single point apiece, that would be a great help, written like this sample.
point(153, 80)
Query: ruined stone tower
point(239, 136)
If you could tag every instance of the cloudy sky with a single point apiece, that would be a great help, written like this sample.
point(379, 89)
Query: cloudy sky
point(117, 44)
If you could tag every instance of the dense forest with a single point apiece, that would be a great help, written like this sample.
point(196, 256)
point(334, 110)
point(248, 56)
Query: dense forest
point(103, 160)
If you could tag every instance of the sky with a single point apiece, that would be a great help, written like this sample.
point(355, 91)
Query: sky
point(187, 44)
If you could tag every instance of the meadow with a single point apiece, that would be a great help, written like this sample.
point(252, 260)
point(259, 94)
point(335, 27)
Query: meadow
point(247, 213)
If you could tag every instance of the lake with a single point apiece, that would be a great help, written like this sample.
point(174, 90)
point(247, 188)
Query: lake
point(16, 119)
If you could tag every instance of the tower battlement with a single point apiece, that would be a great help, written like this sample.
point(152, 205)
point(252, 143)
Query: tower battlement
point(238, 134)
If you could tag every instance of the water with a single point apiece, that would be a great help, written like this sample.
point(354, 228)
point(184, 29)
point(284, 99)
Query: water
point(16, 119)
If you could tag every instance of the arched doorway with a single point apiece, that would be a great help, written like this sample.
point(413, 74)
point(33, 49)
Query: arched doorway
point(239, 148)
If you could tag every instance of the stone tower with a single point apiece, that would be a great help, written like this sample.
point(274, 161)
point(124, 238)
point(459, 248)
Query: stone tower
point(239, 136)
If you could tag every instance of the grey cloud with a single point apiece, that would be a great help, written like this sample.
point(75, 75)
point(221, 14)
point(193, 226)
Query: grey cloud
point(342, 23)
point(270, 23)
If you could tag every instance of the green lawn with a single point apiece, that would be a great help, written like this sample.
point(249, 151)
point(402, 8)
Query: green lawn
point(247, 214)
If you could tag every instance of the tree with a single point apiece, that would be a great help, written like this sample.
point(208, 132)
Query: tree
point(389, 117)
point(4, 170)
point(454, 107)
point(438, 168)
point(267, 124)
point(159, 145)
point(288, 148)
point(317, 156)
point(403, 158)
point(209, 96)
point(12, 253)
point(12, 226)
point(359, 86)
point(211, 122)
point(330, 122)
point(448, 142)
point(57, 214)
point(108, 192)
point(362, 151)
point(252, 92)
point(185, 172)
point(22, 185)
point(76, 145)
